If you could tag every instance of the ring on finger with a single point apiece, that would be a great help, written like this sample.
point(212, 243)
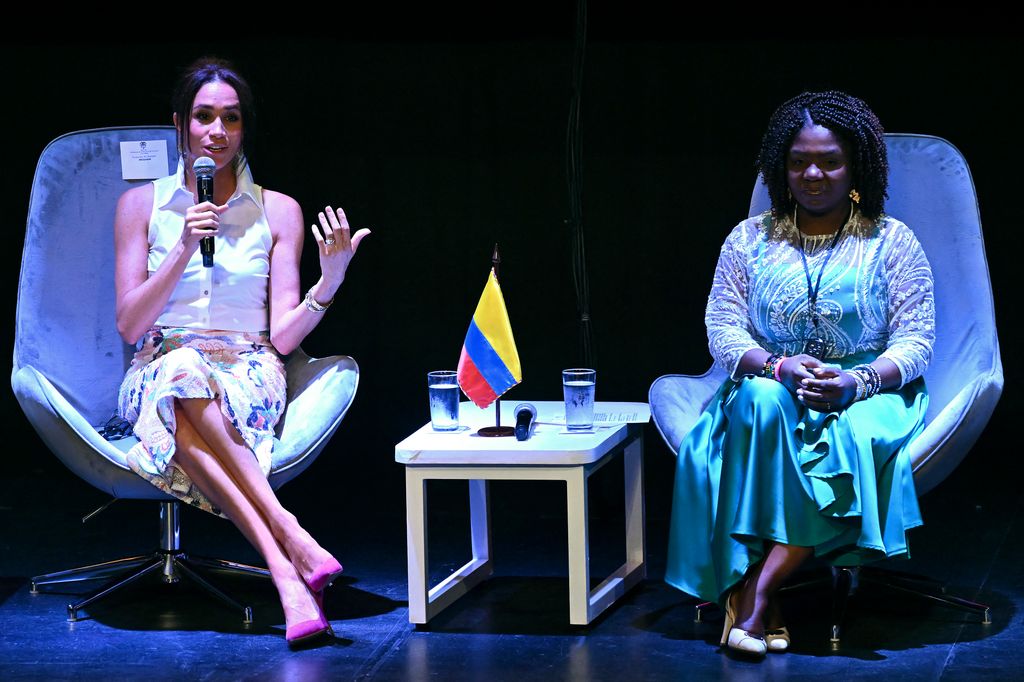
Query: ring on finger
point(329, 241)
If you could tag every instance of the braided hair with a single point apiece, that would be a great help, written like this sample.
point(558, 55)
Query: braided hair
point(850, 119)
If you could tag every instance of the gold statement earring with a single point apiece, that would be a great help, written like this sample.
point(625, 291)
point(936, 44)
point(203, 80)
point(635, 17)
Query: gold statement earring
point(855, 196)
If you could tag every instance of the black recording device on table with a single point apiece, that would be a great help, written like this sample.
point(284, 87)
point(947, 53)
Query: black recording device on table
point(526, 419)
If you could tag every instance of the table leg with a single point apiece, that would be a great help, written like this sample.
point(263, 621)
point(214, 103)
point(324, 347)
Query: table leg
point(426, 602)
point(636, 546)
point(477, 569)
point(579, 554)
point(585, 604)
point(480, 521)
point(416, 543)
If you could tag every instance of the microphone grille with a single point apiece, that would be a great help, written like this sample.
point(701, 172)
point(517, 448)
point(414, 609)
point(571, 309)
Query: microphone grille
point(526, 406)
point(204, 167)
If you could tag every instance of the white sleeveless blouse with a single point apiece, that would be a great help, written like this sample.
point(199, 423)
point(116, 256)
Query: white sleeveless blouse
point(232, 295)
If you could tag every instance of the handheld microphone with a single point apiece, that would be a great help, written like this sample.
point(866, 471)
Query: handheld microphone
point(204, 167)
point(526, 416)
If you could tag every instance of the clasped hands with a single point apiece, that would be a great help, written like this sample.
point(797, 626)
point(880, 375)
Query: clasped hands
point(819, 386)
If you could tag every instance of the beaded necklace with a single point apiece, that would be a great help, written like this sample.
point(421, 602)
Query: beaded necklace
point(817, 346)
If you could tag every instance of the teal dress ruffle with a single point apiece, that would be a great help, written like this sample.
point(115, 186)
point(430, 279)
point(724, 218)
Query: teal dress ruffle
point(759, 466)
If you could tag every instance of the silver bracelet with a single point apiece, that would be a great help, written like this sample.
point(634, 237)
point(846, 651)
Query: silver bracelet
point(862, 389)
point(313, 306)
point(871, 377)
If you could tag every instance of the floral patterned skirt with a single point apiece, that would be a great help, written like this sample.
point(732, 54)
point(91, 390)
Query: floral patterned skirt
point(242, 371)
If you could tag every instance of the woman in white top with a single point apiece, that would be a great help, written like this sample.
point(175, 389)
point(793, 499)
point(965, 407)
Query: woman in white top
point(207, 385)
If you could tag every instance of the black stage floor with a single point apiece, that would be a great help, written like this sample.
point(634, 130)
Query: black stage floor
point(514, 626)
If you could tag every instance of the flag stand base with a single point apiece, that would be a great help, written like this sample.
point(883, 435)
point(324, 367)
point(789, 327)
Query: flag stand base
point(496, 431)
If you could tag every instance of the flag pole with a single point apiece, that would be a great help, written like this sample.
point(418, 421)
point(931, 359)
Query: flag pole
point(497, 430)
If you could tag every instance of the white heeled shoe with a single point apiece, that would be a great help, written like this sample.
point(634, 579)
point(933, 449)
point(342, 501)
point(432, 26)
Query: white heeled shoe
point(740, 640)
point(747, 643)
point(778, 639)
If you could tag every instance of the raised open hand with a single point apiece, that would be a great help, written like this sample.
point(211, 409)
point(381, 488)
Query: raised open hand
point(335, 244)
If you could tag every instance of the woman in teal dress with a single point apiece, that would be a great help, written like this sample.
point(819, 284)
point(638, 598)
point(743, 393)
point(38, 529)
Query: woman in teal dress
point(822, 312)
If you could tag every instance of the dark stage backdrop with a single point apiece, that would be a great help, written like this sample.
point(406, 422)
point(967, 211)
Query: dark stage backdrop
point(444, 147)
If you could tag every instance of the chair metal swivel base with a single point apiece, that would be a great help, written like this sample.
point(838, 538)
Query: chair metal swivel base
point(846, 580)
point(170, 560)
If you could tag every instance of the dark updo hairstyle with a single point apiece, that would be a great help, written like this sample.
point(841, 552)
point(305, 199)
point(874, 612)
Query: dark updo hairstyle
point(857, 127)
point(199, 73)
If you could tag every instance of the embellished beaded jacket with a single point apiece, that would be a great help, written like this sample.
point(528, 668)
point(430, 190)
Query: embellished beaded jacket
point(875, 296)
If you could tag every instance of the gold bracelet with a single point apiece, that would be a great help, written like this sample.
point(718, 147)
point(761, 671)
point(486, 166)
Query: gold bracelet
point(313, 306)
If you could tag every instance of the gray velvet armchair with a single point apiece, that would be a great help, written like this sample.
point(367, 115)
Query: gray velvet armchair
point(931, 190)
point(69, 359)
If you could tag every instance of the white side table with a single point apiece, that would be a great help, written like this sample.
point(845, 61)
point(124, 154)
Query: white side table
point(550, 454)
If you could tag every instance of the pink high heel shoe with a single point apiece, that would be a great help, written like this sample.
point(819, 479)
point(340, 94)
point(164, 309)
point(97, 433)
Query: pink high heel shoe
point(307, 631)
point(324, 575)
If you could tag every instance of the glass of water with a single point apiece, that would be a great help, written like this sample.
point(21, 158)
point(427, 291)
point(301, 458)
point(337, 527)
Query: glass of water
point(578, 389)
point(443, 390)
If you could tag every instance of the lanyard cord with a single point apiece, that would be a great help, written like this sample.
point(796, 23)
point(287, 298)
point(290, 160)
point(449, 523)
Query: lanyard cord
point(812, 291)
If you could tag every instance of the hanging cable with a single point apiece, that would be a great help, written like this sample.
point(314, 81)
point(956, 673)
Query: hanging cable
point(574, 174)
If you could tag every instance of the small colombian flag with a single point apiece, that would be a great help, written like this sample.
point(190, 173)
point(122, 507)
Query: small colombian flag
point(489, 364)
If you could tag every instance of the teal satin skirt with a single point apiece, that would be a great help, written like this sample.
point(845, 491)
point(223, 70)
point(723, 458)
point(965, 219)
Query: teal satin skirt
point(758, 466)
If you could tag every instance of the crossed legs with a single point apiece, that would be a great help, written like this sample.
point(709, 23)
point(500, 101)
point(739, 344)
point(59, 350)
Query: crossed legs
point(763, 407)
point(756, 608)
point(211, 452)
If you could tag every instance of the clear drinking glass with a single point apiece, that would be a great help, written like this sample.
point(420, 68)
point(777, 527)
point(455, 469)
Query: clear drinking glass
point(443, 391)
point(578, 390)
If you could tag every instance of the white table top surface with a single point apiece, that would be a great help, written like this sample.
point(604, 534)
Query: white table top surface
point(550, 444)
